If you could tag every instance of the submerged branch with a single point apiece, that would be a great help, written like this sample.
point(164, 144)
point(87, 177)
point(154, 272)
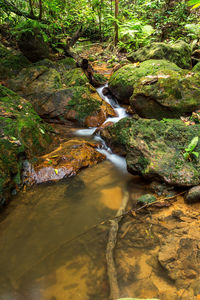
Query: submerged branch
point(112, 239)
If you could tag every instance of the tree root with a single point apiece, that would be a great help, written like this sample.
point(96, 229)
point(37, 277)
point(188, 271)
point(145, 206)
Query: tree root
point(112, 239)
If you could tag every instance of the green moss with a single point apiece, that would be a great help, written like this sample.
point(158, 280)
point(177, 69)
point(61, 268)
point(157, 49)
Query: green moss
point(178, 53)
point(155, 149)
point(10, 63)
point(83, 103)
point(122, 82)
point(22, 133)
point(75, 77)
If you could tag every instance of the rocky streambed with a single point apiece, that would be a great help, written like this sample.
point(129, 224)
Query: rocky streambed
point(157, 251)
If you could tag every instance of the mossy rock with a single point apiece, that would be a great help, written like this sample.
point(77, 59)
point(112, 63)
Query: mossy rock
point(100, 79)
point(179, 53)
point(75, 77)
point(166, 94)
point(11, 62)
point(22, 134)
point(122, 81)
point(155, 149)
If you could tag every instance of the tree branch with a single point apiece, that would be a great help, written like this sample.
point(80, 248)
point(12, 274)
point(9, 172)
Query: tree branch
point(7, 5)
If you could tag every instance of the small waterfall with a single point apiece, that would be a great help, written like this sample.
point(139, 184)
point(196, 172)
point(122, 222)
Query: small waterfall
point(117, 160)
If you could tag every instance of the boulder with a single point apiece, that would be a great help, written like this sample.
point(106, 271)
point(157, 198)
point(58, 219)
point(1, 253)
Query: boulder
point(122, 82)
point(61, 95)
point(32, 45)
point(179, 53)
point(193, 194)
point(22, 134)
point(166, 94)
point(154, 149)
point(11, 62)
point(65, 161)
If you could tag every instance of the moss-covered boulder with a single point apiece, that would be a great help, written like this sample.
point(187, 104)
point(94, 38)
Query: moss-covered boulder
point(122, 81)
point(11, 62)
point(75, 77)
point(155, 149)
point(166, 94)
point(22, 134)
point(178, 53)
point(60, 95)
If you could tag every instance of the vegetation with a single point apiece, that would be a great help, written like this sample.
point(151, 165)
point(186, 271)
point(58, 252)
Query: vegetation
point(130, 24)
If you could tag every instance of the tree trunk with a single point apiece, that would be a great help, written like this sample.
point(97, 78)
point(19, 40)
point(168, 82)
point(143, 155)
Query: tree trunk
point(31, 7)
point(116, 25)
point(40, 6)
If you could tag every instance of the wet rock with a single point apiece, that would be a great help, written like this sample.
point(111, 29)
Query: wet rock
point(154, 151)
point(60, 95)
point(146, 199)
point(22, 134)
point(33, 46)
point(122, 82)
point(11, 62)
point(65, 161)
point(179, 53)
point(193, 195)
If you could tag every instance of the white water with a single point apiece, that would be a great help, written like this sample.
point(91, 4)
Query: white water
point(117, 160)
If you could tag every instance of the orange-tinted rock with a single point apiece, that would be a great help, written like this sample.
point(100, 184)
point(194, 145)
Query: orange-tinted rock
point(103, 126)
point(98, 119)
point(65, 161)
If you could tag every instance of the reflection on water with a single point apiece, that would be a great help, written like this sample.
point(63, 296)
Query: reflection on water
point(40, 257)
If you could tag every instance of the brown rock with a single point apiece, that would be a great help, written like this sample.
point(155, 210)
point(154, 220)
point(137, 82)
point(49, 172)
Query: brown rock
point(65, 161)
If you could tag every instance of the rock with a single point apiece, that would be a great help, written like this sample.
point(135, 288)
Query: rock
point(146, 199)
point(154, 151)
point(65, 161)
point(11, 62)
point(195, 57)
point(166, 94)
point(193, 195)
point(179, 53)
point(58, 95)
point(22, 134)
point(75, 77)
point(32, 45)
point(122, 82)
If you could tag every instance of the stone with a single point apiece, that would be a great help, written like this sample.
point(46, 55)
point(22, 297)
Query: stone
point(32, 45)
point(179, 53)
point(122, 82)
point(59, 95)
point(166, 94)
point(22, 135)
point(193, 195)
point(65, 161)
point(11, 62)
point(154, 151)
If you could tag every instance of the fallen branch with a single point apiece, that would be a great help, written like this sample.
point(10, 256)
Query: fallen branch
point(112, 238)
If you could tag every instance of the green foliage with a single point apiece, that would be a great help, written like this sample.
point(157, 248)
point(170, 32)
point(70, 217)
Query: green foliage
point(134, 34)
point(189, 151)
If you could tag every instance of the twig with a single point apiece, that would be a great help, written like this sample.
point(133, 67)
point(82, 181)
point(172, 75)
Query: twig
point(112, 238)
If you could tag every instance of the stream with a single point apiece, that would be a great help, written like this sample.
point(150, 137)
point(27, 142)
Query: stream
point(43, 253)
point(52, 238)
